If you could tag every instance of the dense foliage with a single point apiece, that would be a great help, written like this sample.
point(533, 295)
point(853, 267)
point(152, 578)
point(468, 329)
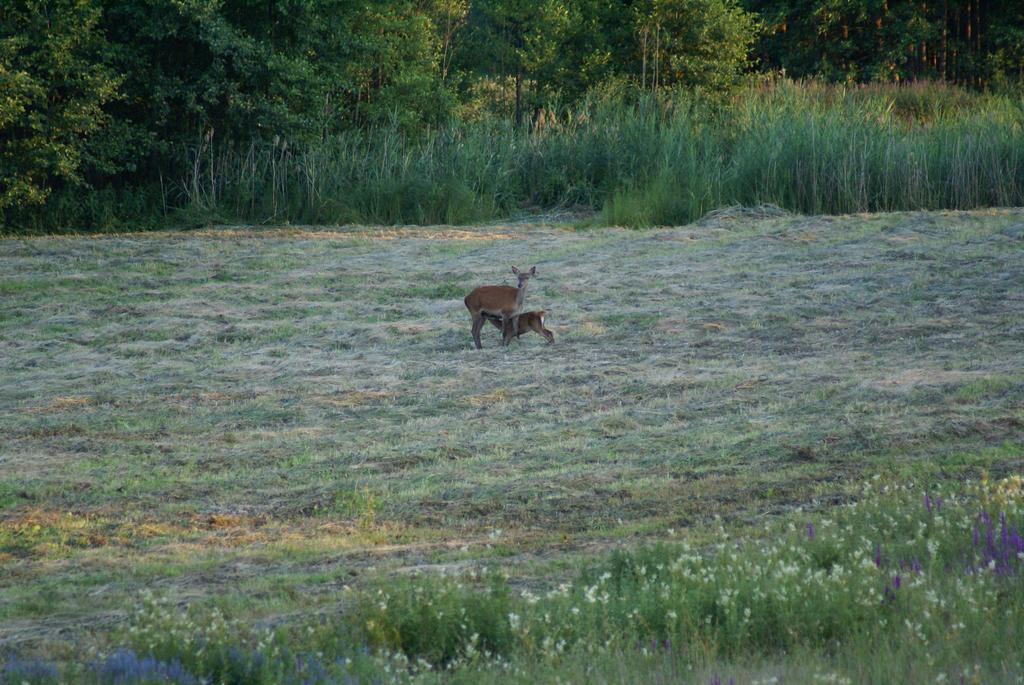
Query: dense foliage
point(54, 84)
point(105, 104)
point(973, 42)
point(654, 161)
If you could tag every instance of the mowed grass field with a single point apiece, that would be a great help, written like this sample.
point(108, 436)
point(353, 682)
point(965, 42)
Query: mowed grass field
point(257, 418)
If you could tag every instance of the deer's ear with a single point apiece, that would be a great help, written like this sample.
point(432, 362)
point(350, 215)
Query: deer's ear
point(515, 271)
point(533, 271)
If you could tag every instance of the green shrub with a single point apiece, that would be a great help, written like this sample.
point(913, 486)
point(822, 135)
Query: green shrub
point(903, 566)
point(904, 583)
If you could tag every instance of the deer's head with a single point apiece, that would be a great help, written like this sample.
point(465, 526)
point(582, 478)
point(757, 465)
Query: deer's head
point(524, 276)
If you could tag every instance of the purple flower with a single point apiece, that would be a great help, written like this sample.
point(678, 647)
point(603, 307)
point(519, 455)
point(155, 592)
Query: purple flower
point(124, 667)
point(1016, 541)
point(914, 565)
point(16, 670)
point(927, 502)
point(896, 582)
point(810, 531)
point(997, 553)
point(311, 669)
point(878, 555)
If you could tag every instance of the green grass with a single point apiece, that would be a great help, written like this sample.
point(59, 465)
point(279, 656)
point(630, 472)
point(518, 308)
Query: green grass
point(907, 583)
point(320, 418)
point(919, 581)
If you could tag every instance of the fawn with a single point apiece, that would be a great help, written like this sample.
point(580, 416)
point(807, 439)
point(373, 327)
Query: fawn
point(499, 301)
point(528, 321)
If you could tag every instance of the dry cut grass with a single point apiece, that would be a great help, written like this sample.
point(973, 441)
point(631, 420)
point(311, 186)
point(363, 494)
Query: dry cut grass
point(264, 416)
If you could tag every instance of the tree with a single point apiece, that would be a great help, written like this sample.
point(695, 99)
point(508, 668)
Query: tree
point(971, 42)
point(448, 18)
point(517, 39)
point(51, 105)
point(701, 44)
point(387, 59)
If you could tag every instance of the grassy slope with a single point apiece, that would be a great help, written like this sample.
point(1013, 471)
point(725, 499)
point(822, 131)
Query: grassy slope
point(262, 417)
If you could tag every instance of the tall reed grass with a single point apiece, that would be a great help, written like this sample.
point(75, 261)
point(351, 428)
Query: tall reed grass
point(638, 161)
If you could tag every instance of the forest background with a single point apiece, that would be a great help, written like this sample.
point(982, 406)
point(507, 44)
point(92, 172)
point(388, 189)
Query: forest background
point(148, 113)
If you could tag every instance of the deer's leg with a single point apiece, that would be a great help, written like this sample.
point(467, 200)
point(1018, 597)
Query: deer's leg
point(506, 330)
point(478, 323)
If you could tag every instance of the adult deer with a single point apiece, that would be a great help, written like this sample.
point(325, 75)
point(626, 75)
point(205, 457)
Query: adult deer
point(528, 321)
point(501, 301)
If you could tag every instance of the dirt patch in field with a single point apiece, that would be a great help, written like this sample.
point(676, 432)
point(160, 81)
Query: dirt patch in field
point(909, 379)
point(60, 404)
point(354, 398)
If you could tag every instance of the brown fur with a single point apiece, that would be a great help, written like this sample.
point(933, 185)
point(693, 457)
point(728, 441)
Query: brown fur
point(528, 321)
point(499, 301)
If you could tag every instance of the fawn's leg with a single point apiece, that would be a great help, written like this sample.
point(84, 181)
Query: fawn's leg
point(537, 327)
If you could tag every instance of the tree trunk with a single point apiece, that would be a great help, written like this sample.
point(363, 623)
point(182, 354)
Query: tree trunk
point(945, 41)
point(969, 27)
point(977, 34)
point(643, 58)
point(956, 48)
point(657, 48)
point(923, 53)
point(519, 97)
